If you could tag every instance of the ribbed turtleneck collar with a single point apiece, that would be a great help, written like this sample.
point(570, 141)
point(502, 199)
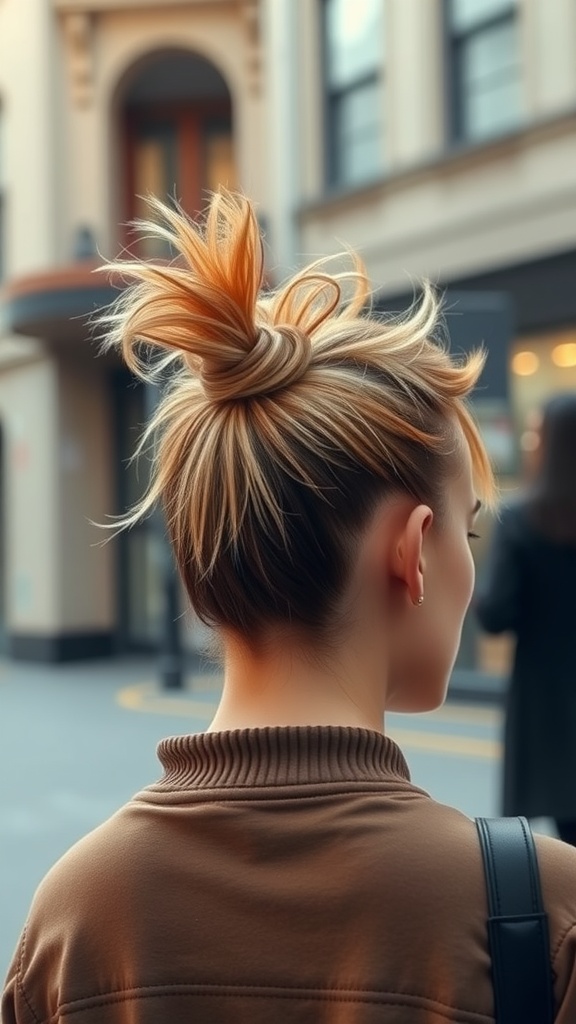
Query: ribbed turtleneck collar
point(279, 756)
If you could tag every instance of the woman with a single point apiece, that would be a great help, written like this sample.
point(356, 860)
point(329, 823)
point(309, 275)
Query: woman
point(320, 475)
point(530, 590)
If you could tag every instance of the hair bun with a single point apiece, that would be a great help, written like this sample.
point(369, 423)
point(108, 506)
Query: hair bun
point(279, 357)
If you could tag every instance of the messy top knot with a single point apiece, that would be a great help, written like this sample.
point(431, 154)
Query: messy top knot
point(205, 306)
point(287, 416)
point(279, 356)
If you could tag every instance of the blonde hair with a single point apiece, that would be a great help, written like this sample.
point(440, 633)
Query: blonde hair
point(287, 418)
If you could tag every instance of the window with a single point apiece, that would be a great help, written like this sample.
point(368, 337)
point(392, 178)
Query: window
point(486, 79)
point(177, 151)
point(140, 581)
point(354, 57)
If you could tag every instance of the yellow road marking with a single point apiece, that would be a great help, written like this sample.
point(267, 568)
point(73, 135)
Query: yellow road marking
point(145, 697)
point(470, 714)
point(437, 743)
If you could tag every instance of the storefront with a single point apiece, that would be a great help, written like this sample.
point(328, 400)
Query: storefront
point(542, 354)
point(525, 316)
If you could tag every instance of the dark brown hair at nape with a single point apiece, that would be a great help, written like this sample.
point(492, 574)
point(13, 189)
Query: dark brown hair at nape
point(296, 575)
point(287, 418)
point(552, 503)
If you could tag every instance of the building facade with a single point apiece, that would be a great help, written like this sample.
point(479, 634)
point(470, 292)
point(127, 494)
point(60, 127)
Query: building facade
point(436, 136)
point(440, 139)
point(100, 103)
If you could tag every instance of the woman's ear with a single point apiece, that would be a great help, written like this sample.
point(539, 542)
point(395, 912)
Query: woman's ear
point(408, 563)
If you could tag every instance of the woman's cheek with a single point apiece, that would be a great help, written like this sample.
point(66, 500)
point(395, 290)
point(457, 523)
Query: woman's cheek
point(470, 573)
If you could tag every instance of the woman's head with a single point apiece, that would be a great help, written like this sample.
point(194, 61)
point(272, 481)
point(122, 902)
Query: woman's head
point(290, 418)
point(554, 501)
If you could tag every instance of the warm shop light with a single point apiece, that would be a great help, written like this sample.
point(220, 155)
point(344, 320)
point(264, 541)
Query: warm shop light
point(530, 441)
point(564, 355)
point(525, 363)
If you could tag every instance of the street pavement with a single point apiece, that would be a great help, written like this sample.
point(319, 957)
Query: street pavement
point(77, 741)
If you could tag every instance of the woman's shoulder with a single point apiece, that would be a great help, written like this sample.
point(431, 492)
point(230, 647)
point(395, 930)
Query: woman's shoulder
point(453, 847)
point(455, 861)
point(557, 865)
point(102, 862)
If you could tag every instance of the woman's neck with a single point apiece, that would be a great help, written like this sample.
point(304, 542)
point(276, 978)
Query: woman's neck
point(288, 686)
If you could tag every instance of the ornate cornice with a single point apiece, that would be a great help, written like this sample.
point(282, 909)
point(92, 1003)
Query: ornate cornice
point(79, 31)
point(79, 18)
point(251, 15)
point(102, 6)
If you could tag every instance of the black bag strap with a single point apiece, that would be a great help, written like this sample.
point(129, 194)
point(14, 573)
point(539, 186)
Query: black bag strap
point(517, 923)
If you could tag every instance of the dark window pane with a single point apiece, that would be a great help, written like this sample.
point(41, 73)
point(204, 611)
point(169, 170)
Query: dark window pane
point(354, 39)
point(493, 110)
point(470, 14)
point(136, 472)
point(155, 173)
point(357, 134)
point(491, 51)
point(145, 553)
point(219, 158)
point(491, 81)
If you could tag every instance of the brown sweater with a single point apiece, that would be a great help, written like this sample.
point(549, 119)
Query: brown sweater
point(276, 875)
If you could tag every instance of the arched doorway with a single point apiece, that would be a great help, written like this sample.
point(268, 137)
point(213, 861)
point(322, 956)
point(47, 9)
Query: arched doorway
point(177, 135)
point(176, 132)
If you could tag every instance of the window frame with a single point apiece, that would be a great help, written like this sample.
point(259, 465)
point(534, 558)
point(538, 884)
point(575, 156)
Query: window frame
point(455, 43)
point(332, 97)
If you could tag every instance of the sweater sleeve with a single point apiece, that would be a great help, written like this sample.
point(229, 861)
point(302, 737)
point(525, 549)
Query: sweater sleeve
point(497, 603)
point(564, 966)
point(557, 863)
point(14, 1007)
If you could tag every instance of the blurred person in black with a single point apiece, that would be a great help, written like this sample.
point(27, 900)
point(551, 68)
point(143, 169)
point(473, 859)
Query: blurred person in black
point(530, 590)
